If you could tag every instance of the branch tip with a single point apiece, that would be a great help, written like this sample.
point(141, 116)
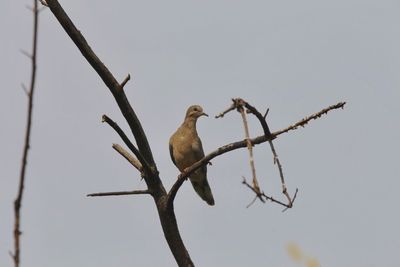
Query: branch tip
point(43, 2)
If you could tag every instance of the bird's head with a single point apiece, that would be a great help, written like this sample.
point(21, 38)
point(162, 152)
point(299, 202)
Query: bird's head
point(195, 112)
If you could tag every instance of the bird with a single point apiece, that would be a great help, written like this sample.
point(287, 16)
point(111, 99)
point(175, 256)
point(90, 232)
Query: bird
point(185, 148)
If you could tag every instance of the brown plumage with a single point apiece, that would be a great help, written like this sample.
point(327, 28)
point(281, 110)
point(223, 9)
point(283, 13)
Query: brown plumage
point(186, 149)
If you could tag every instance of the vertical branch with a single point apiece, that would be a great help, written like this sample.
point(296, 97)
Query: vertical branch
point(18, 200)
point(250, 147)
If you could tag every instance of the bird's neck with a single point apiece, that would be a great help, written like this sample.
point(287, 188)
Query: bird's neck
point(191, 123)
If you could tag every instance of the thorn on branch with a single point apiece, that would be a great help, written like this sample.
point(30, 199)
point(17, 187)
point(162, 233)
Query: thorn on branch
point(29, 8)
point(25, 53)
point(125, 80)
point(23, 86)
point(266, 113)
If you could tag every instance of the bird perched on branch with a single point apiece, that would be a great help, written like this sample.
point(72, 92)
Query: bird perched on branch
point(186, 149)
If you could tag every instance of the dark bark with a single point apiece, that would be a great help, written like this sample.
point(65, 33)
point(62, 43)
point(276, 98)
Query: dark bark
point(154, 184)
point(30, 93)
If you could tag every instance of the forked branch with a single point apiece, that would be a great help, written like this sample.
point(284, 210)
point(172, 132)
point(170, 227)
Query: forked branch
point(126, 140)
point(241, 144)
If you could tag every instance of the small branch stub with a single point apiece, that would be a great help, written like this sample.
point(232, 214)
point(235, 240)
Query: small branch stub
point(125, 80)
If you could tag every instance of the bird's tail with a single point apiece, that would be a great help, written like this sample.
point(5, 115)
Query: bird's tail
point(203, 189)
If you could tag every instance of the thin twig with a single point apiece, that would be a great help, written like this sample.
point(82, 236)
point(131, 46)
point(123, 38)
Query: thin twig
point(18, 200)
point(249, 146)
point(222, 114)
point(277, 162)
point(263, 197)
point(306, 120)
point(126, 140)
point(125, 80)
point(256, 191)
point(120, 193)
point(132, 160)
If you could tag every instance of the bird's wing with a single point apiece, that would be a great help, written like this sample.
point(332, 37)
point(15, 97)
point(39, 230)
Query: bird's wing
point(197, 148)
point(171, 152)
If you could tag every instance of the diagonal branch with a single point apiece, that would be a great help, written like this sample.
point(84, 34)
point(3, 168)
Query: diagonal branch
point(112, 84)
point(131, 159)
point(306, 120)
point(18, 200)
point(126, 140)
point(120, 193)
point(237, 145)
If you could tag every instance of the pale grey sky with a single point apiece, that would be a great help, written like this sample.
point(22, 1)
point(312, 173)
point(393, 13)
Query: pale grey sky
point(294, 57)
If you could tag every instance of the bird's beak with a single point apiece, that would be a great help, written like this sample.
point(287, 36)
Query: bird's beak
point(204, 114)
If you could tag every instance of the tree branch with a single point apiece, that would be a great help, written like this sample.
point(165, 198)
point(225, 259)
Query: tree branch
point(153, 181)
point(131, 159)
point(262, 195)
point(125, 80)
point(120, 193)
point(110, 81)
point(135, 151)
point(249, 147)
point(262, 119)
point(241, 144)
point(303, 122)
point(30, 93)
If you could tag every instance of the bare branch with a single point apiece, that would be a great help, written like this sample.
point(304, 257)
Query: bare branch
point(249, 146)
point(263, 197)
point(230, 147)
point(277, 162)
point(132, 160)
point(306, 120)
point(125, 80)
point(120, 193)
point(126, 140)
point(30, 93)
point(267, 132)
point(112, 84)
point(222, 114)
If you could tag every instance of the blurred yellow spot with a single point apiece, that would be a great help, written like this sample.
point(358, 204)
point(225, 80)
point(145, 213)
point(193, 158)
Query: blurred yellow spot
point(294, 252)
point(312, 262)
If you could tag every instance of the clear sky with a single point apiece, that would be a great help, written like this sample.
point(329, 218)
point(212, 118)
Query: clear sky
point(294, 57)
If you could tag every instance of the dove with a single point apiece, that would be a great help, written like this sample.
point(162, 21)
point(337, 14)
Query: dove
point(185, 148)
